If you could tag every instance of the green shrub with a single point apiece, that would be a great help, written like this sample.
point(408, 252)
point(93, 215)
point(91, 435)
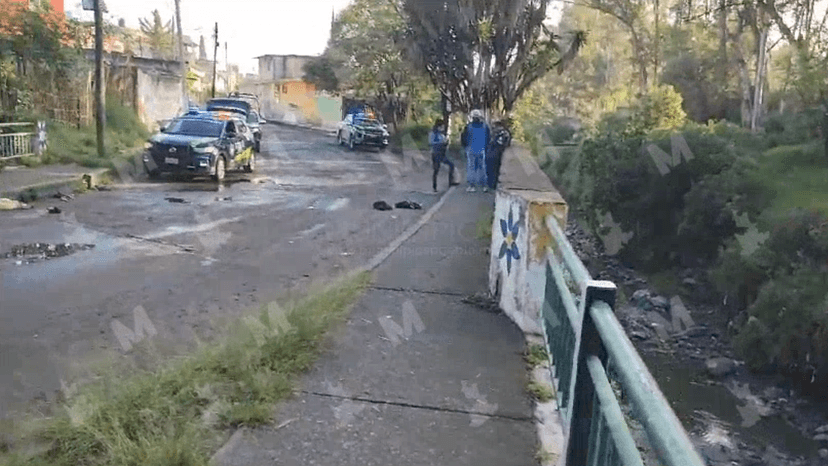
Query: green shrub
point(801, 241)
point(619, 176)
point(737, 277)
point(793, 128)
point(564, 172)
point(560, 133)
point(783, 287)
point(788, 314)
point(660, 108)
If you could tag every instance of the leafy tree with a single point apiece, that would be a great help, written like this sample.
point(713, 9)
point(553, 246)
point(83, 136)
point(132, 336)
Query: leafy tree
point(364, 54)
point(159, 33)
point(38, 54)
point(322, 73)
point(482, 53)
point(601, 78)
point(635, 17)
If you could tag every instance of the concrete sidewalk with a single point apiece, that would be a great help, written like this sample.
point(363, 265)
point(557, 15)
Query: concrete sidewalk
point(16, 180)
point(417, 376)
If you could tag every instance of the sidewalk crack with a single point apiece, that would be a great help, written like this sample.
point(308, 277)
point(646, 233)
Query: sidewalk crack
point(412, 290)
point(425, 407)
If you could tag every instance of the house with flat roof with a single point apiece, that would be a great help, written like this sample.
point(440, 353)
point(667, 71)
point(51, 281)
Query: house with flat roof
point(282, 67)
point(285, 95)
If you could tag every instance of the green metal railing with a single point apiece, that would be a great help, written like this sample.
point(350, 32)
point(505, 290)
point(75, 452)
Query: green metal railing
point(588, 348)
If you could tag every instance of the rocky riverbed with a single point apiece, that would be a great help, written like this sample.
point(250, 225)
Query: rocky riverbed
point(733, 416)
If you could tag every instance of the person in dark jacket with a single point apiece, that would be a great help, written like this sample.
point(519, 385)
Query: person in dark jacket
point(475, 140)
point(439, 143)
point(501, 139)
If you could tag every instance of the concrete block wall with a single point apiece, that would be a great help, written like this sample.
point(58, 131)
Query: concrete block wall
point(159, 97)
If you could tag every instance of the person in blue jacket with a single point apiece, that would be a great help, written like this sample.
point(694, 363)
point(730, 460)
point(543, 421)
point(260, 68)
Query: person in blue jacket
point(475, 140)
point(439, 143)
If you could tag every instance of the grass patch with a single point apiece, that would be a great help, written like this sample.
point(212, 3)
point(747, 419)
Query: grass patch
point(541, 392)
point(544, 457)
point(172, 415)
point(797, 174)
point(536, 356)
point(124, 132)
point(483, 228)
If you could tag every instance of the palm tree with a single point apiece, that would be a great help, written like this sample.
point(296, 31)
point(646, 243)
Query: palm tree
point(160, 35)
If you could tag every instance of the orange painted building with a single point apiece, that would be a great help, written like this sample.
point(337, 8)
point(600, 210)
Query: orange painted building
point(57, 5)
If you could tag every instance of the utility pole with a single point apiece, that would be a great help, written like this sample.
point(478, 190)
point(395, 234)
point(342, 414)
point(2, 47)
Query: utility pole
point(100, 85)
point(215, 59)
point(226, 68)
point(185, 99)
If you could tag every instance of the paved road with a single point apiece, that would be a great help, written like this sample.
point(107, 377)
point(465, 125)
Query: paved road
point(305, 214)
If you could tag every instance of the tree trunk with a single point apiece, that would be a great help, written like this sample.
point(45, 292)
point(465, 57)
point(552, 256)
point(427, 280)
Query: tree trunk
point(744, 77)
point(759, 81)
point(722, 44)
point(656, 39)
point(641, 61)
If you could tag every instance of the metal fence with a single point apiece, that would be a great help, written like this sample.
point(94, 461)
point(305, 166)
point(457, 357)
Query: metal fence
point(590, 352)
point(21, 139)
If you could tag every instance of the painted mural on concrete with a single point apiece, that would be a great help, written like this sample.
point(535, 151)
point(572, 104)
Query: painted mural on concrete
point(509, 248)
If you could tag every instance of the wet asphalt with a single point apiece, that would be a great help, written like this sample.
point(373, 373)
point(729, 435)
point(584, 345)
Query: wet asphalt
point(188, 254)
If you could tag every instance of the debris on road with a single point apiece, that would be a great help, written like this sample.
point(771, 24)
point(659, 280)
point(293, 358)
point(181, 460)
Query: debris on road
point(33, 252)
point(224, 198)
point(382, 205)
point(175, 200)
point(54, 210)
point(64, 197)
point(10, 204)
point(408, 205)
point(483, 301)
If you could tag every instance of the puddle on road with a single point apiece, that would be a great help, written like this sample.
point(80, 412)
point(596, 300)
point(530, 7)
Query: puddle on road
point(310, 230)
point(338, 204)
point(198, 228)
point(105, 251)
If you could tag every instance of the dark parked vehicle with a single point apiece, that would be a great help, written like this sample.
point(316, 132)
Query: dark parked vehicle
point(229, 104)
point(199, 145)
point(255, 122)
point(247, 97)
point(246, 106)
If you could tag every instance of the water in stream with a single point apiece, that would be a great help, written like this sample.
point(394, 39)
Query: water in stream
point(691, 392)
